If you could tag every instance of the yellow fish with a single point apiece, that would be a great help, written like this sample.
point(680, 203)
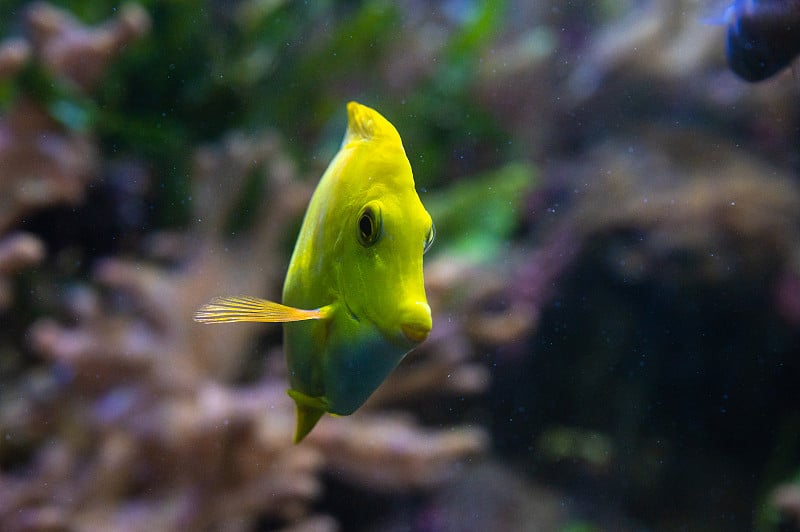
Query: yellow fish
point(353, 300)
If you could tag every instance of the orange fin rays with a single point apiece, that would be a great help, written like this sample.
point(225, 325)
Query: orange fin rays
point(245, 308)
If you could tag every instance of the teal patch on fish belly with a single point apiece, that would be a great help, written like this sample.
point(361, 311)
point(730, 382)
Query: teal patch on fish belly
point(354, 370)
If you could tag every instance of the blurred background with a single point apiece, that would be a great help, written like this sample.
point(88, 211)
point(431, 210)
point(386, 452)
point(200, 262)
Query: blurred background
point(615, 280)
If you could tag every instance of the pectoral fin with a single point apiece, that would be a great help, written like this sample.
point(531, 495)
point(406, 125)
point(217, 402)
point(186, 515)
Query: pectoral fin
point(245, 308)
point(309, 410)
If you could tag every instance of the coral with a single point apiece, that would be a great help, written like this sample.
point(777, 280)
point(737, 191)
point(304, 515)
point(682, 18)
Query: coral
point(14, 54)
point(17, 251)
point(487, 496)
point(43, 162)
point(79, 53)
point(612, 323)
point(135, 420)
point(142, 409)
point(786, 500)
point(392, 453)
point(143, 458)
point(787, 295)
point(653, 40)
point(722, 215)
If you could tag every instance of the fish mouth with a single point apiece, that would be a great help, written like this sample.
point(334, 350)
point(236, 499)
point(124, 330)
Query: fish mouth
point(415, 321)
point(414, 332)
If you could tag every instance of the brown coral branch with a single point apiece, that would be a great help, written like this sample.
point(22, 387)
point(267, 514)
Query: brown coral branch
point(17, 251)
point(42, 163)
point(77, 52)
point(14, 53)
point(389, 453)
point(786, 499)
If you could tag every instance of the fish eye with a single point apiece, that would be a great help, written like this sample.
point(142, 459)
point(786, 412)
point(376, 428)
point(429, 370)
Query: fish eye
point(369, 225)
point(429, 238)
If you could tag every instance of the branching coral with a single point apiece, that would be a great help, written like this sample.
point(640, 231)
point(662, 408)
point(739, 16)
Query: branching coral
point(786, 499)
point(17, 251)
point(157, 437)
point(725, 213)
point(137, 457)
point(43, 162)
point(133, 417)
point(77, 52)
point(14, 53)
point(132, 423)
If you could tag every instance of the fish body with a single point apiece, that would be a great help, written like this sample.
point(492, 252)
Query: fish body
point(354, 299)
point(763, 37)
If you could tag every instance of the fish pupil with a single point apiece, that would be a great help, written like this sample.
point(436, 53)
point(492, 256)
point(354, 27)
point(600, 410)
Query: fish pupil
point(368, 227)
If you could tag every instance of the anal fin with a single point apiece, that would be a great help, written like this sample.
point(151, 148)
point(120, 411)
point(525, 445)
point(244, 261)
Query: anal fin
point(309, 411)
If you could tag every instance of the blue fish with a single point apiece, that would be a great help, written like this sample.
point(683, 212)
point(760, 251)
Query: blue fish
point(763, 37)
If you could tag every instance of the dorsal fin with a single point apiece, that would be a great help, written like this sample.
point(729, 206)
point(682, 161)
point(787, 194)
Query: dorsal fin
point(365, 123)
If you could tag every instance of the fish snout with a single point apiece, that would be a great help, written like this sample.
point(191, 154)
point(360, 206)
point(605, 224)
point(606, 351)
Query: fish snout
point(416, 322)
